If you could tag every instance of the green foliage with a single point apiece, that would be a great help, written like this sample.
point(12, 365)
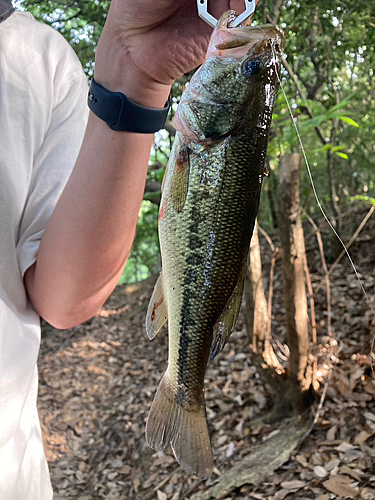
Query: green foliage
point(366, 199)
point(335, 112)
point(144, 259)
point(330, 49)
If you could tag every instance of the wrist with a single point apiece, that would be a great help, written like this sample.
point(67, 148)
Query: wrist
point(122, 114)
point(115, 70)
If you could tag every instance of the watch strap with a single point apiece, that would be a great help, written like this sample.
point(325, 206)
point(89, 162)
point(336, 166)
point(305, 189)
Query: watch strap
point(122, 114)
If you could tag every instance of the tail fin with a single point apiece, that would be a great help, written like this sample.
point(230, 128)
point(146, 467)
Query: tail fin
point(185, 428)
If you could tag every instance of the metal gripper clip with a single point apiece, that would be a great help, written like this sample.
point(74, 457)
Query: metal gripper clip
point(212, 21)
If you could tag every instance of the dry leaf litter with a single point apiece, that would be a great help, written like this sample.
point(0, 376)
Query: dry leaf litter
point(98, 380)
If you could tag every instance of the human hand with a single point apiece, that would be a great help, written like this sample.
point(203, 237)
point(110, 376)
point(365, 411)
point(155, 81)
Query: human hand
point(148, 44)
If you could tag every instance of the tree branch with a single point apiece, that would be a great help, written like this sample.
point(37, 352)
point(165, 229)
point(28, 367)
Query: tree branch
point(352, 240)
point(301, 92)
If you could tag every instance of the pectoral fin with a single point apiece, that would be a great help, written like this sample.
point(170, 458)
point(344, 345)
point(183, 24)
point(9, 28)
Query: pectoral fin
point(157, 313)
point(225, 324)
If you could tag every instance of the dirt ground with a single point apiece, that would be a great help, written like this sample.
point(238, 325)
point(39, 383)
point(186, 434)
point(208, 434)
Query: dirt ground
point(97, 383)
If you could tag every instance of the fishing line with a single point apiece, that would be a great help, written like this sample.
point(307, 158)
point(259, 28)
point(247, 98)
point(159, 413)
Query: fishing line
point(318, 201)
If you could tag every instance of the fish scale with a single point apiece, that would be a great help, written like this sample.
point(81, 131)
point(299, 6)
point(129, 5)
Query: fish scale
point(210, 200)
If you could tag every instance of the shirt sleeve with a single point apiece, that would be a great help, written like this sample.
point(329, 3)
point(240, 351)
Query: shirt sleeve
point(53, 165)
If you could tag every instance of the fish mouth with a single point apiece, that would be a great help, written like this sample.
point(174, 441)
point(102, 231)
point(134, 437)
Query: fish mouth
point(255, 40)
point(250, 40)
point(266, 39)
point(263, 42)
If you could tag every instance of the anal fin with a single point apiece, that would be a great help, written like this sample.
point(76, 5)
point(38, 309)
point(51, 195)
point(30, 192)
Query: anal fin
point(225, 323)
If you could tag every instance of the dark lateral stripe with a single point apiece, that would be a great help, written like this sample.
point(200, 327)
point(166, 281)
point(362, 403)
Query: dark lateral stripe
point(193, 260)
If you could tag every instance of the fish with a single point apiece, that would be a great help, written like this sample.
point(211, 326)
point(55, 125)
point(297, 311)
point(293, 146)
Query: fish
point(210, 199)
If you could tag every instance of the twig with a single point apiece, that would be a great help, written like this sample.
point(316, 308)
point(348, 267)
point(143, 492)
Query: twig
point(275, 252)
point(317, 414)
point(268, 238)
point(151, 494)
point(312, 310)
point(312, 303)
point(283, 350)
point(352, 239)
point(264, 13)
point(270, 295)
point(192, 488)
point(105, 313)
point(326, 275)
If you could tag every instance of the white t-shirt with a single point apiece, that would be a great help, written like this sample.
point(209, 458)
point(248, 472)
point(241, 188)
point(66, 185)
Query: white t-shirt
point(43, 115)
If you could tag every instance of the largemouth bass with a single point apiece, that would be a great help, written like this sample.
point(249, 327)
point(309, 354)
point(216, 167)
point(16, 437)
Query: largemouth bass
point(209, 204)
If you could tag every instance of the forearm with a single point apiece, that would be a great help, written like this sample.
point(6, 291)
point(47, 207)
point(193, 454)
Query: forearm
point(88, 238)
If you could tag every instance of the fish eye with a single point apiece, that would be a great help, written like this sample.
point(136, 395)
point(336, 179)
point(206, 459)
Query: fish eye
point(251, 67)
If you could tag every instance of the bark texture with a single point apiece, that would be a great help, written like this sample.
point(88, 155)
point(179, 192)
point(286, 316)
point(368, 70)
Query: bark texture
point(265, 458)
point(258, 322)
point(298, 391)
point(256, 304)
point(257, 307)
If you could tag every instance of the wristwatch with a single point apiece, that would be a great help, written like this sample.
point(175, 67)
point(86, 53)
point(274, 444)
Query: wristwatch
point(122, 114)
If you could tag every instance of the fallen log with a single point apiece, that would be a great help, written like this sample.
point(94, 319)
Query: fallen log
point(261, 463)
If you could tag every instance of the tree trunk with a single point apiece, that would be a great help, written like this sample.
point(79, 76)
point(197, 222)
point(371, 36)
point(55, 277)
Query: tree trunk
point(275, 9)
point(270, 187)
point(257, 307)
point(256, 317)
point(298, 391)
point(256, 303)
point(153, 191)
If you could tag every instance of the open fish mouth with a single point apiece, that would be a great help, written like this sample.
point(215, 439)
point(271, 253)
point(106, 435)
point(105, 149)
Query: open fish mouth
point(252, 40)
point(238, 41)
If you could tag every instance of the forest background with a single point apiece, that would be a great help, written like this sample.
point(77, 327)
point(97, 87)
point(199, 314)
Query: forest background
point(327, 86)
point(328, 78)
